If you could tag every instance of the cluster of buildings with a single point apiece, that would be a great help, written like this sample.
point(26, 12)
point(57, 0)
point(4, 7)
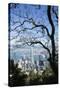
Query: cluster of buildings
point(37, 64)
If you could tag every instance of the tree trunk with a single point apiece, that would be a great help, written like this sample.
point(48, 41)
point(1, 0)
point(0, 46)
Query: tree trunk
point(52, 57)
point(53, 61)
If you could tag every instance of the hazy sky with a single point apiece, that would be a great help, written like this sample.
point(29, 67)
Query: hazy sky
point(19, 13)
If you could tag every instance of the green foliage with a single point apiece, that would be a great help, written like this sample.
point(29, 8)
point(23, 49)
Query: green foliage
point(19, 78)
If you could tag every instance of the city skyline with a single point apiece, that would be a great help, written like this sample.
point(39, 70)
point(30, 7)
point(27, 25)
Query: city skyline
point(33, 44)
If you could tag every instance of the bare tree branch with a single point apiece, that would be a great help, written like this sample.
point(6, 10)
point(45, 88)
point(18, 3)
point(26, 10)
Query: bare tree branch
point(34, 26)
point(39, 42)
point(56, 14)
